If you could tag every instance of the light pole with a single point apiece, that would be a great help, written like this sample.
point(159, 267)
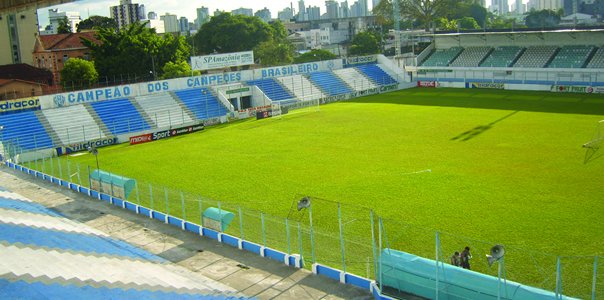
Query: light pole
point(94, 151)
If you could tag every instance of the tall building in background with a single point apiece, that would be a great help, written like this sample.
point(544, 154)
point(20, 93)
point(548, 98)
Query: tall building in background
point(264, 14)
point(344, 10)
point(359, 9)
point(313, 13)
point(55, 17)
point(218, 12)
point(170, 23)
point(125, 14)
point(302, 14)
point(203, 16)
point(518, 7)
point(286, 14)
point(183, 25)
point(243, 11)
point(500, 7)
point(18, 31)
point(154, 22)
point(332, 8)
point(142, 12)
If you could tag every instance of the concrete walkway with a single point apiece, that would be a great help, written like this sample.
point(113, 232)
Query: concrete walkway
point(246, 272)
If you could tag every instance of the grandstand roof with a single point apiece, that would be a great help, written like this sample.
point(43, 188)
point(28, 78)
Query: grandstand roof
point(516, 31)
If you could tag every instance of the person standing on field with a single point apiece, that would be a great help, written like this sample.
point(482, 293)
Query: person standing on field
point(465, 258)
point(456, 259)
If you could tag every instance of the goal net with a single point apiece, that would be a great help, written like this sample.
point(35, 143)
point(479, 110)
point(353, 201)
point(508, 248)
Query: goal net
point(598, 138)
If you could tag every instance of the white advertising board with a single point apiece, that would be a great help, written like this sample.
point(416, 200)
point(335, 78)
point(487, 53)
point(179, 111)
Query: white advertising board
point(225, 60)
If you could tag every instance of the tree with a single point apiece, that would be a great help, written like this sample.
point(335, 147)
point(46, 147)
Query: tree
point(364, 43)
point(277, 50)
point(271, 53)
point(426, 11)
point(542, 18)
point(446, 24)
point(135, 51)
point(467, 23)
point(228, 33)
point(64, 26)
point(95, 22)
point(314, 55)
point(177, 69)
point(78, 74)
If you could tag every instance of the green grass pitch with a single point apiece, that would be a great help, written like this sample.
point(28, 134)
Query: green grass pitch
point(506, 167)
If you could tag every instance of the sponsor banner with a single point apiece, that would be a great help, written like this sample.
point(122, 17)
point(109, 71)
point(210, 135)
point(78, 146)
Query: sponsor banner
point(140, 139)
point(573, 89)
point(485, 85)
point(164, 134)
point(225, 60)
point(427, 84)
point(83, 146)
point(306, 68)
point(359, 60)
point(240, 90)
point(19, 104)
point(599, 89)
point(250, 112)
point(263, 114)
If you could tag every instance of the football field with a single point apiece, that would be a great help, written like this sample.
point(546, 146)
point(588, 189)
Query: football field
point(496, 166)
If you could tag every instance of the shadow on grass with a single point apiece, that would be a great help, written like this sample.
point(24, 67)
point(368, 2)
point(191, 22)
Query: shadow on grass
point(568, 103)
point(472, 133)
point(592, 154)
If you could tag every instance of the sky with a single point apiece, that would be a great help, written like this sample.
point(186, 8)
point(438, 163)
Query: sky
point(180, 8)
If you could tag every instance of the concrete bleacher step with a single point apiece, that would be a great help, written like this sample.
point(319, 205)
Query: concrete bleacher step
point(49, 130)
point(106, 271)
point(486, 56)
point(182, 105)
point(142, 112)
point(16, 217)
point(590, 56)
point(520, 53)
point(97, 119)
point(551, 58)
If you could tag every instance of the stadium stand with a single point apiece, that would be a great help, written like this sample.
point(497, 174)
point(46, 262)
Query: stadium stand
point(377, 74)
point(536, 57)
point(201, 102)
point(442, 57)
point(73, 124)
point(502, 57)
point(47, 256)
point(329, 83)
point(301, 87)
point(574, 56)
point(24, 130)
point(471, 57)
point(163, 110)
point(597, 60)
point(355, 79)
point(119, 116)
point(272, 89)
